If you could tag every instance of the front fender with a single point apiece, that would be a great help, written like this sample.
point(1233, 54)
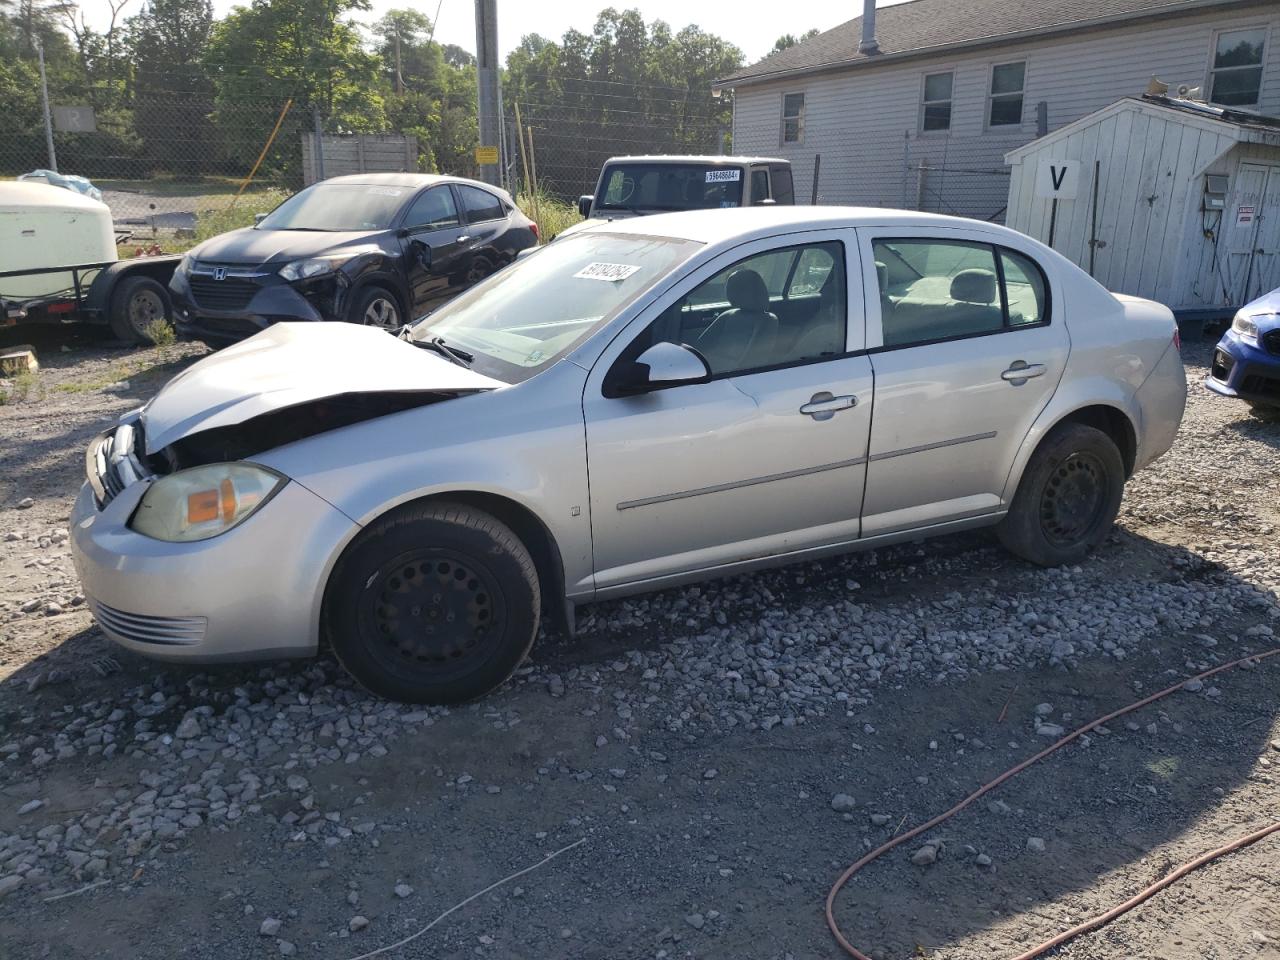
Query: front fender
point(1072, 395)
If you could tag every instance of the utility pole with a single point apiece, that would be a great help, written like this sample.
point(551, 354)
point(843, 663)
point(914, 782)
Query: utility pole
point(488, 117)
point(399, 71)
point(48, 120)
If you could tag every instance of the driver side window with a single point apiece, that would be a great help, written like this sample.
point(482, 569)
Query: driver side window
point(768, 310)
point(433, 210)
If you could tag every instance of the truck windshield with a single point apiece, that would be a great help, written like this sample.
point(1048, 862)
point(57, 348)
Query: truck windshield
point(528, 315)
point(647, 187)
point(338, 206)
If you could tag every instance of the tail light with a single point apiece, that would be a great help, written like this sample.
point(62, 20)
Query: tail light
point(537, 234)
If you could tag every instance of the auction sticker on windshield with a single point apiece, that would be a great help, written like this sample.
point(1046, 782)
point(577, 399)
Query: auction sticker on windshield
point(609, 272)
point(722, 176)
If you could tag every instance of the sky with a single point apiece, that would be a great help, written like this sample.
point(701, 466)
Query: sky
point(731, 19)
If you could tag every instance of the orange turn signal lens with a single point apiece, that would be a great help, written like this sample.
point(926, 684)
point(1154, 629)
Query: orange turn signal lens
point(202, 506)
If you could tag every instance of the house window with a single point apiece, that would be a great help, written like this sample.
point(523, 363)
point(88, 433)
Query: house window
point(935, 108)
point(1236, 77)
point(1005, 105)
point(793, 118)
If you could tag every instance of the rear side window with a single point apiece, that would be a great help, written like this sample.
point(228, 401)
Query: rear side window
point(933, 290)
point(759, 185)
point(480, 204)
point(783, 191)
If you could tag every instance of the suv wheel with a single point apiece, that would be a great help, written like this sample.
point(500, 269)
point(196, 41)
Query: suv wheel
point(1068, 498)
point(438, 603)
point(376, 307)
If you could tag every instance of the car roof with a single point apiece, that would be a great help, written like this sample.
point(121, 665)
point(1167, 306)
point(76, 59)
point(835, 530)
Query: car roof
point(408, 180)
point(695, 158)
point(742, 224)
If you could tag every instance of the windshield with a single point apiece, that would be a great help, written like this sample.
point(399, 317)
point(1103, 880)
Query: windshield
point(669, 186)
point(338, 206)
point(528, 315)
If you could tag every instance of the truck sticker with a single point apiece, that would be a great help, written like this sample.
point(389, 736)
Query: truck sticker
point(722, 176)
point(608, 272)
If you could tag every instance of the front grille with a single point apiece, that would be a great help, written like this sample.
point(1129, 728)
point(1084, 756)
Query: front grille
point(1222, 364)
point(141, 628)
point(231, 293)
point(1271, 341)
point(112, 462)
point(1259, 386)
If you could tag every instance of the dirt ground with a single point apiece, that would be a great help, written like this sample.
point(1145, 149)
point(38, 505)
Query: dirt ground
point(705, 836)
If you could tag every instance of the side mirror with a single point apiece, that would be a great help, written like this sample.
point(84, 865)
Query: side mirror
point(664, 365)
point(258, 218)
point(584, 205)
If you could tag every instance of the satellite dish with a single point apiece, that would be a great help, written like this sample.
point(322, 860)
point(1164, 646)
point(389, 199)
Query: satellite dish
point(1187, 92)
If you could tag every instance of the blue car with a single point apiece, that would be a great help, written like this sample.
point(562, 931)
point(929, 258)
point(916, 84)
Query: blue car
point(1246, 362)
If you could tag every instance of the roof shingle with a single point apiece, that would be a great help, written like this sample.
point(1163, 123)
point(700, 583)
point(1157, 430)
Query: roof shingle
point(919, 25)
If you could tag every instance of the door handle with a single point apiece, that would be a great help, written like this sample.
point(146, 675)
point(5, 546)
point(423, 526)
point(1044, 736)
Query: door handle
point(463, 239)
point(824, 406)
point(1020, 372)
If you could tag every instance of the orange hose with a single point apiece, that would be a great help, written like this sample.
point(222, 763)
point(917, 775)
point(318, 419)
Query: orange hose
point(1110, 915)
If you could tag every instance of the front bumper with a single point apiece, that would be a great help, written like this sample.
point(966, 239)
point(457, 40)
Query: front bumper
point(1244, 371)
point(252, 593)
point(269, 300)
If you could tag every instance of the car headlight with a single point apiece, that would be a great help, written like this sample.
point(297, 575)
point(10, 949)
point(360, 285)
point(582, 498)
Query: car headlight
point(315, 267)
point(202, 502)
point(1245, 326)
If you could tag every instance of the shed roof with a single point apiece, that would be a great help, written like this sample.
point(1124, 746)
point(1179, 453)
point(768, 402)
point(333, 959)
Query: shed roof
point(1238, 125)
point(922, 27)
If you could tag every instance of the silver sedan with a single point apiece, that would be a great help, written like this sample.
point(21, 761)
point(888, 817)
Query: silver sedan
point(680, 396)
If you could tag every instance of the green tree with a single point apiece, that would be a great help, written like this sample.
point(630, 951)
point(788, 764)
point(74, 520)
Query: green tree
point(306, 51)
point(789, 40)
point(173, 94)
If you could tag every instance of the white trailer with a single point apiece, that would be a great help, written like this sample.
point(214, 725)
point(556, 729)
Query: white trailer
point(1173, 200)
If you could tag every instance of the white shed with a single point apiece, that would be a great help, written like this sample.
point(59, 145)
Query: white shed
point(1172, 200)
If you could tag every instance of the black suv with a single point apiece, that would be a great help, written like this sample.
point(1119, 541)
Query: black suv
point(379, 249)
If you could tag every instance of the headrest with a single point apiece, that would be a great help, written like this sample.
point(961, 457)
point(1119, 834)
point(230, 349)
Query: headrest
point(747, 291)
point(882, 276)
point(974, 286)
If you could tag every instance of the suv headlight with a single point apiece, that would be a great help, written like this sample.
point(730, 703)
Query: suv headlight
point(202, 502)
point(1245, 326)
point(315, 267)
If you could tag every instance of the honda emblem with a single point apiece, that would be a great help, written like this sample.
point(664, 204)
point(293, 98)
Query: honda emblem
point(219, 273)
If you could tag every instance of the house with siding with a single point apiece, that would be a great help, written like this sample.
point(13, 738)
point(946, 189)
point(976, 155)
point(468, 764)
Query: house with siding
point(917, 104)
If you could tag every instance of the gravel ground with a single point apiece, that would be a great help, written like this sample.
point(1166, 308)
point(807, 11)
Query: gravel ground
point(723, 750)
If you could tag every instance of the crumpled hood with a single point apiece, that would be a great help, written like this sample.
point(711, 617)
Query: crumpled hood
point(294, 363)
point(256, 247)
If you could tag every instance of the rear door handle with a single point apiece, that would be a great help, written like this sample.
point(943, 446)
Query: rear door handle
point(463, 239)
point(824, 406)
point(1020, 372)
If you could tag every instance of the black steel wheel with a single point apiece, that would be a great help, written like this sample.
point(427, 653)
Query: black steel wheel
point(140, 308)
point(1068, 497)
point(437, 603)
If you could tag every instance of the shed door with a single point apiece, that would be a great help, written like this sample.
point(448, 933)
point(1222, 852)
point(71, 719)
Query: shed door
point(1242, 233)
point(1265, 273)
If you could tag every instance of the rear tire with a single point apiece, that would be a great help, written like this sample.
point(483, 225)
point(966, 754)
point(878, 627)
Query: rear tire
point(437, 603)
point(1068, 498)
point(136, 304)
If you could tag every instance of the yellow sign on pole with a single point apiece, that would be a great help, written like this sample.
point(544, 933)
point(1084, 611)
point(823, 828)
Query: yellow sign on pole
point(486, 155)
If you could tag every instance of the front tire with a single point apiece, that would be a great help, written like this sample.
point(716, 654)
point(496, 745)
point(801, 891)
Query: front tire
point(376, 307)
point(1068, 498)
point(438, 603)
point(137, 305)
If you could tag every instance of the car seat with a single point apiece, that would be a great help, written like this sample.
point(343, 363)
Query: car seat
point(745, 335)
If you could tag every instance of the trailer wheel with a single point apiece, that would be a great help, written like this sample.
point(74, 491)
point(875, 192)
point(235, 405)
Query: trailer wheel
point(137, 304)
